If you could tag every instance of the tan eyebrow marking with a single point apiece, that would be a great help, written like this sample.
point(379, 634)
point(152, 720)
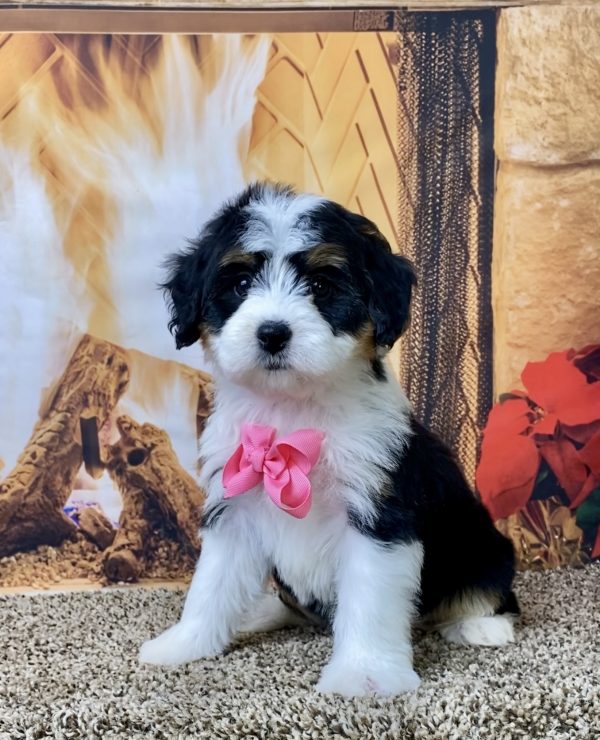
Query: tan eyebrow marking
point(327, 255)
point(238, 256)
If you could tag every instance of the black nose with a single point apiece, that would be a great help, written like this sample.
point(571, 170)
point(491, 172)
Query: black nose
point(273, 336)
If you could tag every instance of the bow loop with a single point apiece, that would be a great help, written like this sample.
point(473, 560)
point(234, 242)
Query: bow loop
point(281, 465)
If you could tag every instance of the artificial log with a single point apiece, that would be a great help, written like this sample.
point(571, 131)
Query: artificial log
point(157, 493)
point(96, 527)
point(33, 495)
point(125, 559)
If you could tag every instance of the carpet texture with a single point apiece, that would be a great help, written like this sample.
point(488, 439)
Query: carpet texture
point(68, 669)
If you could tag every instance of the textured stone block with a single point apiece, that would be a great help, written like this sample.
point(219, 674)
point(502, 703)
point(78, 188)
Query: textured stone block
point(546, 282)
point(548, 85)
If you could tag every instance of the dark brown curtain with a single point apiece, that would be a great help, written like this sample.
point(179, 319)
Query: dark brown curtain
point(446, 173)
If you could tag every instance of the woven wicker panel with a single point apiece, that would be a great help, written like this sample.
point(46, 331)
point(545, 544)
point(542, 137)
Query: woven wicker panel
point(326, 121)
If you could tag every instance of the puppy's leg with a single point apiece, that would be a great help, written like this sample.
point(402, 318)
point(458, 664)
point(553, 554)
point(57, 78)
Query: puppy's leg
point(229, 576)
point(377, 588)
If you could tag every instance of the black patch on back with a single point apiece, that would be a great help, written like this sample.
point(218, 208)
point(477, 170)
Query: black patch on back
point(429, 500)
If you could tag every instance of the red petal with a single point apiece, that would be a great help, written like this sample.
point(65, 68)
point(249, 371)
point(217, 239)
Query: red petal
point(596, 550)
point(588, 349)
point(506, 474)
point(509, 501)
point(546, 425)
point(508, 419)
point(581, 407)
point(582, 432)
point(590, 454)
point(591, 483)
point(588, 360)
point(560, 388)
point(566, 465)
point(546, 380)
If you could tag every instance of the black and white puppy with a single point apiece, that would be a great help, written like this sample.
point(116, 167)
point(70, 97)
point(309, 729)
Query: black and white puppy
point(296, 302)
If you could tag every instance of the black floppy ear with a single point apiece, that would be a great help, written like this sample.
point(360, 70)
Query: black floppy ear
point(391, 279)
point(184, 293)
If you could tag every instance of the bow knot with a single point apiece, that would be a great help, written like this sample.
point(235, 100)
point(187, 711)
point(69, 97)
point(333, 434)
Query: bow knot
point(282, 465)
point(257, 459)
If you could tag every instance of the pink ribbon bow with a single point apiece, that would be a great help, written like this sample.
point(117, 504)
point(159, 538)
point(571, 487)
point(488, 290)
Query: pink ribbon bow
point(282, 465)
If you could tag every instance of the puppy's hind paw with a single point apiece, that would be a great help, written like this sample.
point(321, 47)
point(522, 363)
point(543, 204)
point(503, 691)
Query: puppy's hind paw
point(492, 631)
point(353, 680)
point(181, 643)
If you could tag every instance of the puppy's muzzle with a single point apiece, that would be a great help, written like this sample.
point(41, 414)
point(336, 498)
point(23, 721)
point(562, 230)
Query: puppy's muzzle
point(273, 336)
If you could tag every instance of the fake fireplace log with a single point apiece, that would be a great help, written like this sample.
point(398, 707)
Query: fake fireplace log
point(33, 495)
point(157, 493)
point(160, 499)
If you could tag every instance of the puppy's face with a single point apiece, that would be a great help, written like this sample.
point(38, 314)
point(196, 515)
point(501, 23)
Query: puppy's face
point(285, 289)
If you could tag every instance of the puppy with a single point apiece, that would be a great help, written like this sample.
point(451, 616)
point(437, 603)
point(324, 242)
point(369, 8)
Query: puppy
point(316, 472)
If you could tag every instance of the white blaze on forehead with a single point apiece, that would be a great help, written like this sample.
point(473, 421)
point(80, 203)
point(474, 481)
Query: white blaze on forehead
point(278, 281)
point(275, 223)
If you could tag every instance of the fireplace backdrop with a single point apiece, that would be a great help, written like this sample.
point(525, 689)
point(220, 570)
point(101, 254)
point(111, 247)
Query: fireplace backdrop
point(114, 149)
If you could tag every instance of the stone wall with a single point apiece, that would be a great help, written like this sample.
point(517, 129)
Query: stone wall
point(546, 285)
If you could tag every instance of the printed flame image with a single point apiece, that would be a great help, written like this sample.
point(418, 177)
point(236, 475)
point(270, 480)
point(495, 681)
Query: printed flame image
point(114, 150)
point(105, 169)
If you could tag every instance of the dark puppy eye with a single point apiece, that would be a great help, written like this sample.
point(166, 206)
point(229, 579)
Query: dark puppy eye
point(320, 287)
point(242, 285)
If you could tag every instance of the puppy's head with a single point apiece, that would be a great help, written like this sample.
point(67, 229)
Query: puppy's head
point(285, 289)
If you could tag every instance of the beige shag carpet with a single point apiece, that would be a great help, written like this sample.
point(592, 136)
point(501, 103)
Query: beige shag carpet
point(68, 669)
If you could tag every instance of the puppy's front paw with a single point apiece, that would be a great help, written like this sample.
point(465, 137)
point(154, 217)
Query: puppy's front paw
point(357, 680)
point(181, 643)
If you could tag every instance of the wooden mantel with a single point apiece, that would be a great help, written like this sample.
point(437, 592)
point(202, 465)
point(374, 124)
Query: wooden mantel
point(210, 16)
point(205, 5)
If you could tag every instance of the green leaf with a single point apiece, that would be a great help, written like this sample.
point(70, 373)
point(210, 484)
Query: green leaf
point(587, 515)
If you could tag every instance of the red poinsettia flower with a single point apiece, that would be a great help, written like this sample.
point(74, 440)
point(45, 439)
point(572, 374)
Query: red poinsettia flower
point(561, 391)
point(509, 458)
point(559, 413)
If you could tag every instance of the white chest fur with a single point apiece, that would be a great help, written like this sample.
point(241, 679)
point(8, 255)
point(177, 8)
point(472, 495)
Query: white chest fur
point(364, 423)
